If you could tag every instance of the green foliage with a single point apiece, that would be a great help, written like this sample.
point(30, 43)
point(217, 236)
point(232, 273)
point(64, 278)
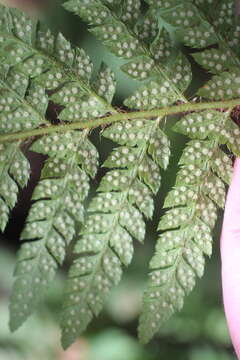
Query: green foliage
point(38, 66)
point(23, 106)
point(116, 215)
point(56, 211)
point(190, 220)
point(163, 85)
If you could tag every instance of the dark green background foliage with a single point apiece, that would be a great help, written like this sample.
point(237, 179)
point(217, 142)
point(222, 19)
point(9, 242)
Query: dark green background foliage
point(198, 332)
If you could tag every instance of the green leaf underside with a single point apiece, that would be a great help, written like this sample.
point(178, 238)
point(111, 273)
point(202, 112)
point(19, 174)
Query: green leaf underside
point(34, 62)
point(49, 63)
point(192, 211)
point(191, 216)
point(53, 63)
point(141, 68)
point(116, 216)
point(143, 61)
point(57, 209)
point(18, 112)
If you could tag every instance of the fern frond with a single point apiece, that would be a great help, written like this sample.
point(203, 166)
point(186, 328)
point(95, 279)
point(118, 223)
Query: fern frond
point(188, 224)
point(22, 106)
point(221, 14)
point(58, 198)
point(199, 24)
point(51, 223)
point(130, 11)
point(121, 38)
point(222, 18)
point(147, 27)
point(179, 252)
point(53, 63)
point(116, 215)
point(199, 188)
point(34, 62)
point(215, 60)
point(225, 85)
point(190, 25)
point(161, 88)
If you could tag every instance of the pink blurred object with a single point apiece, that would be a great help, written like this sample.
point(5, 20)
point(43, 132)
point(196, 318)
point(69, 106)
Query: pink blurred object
point(230, 255)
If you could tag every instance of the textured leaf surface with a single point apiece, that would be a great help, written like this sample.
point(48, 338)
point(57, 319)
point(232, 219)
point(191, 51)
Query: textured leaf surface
point(215, 60)
point(191, 27)
point(116, 216)
point(224, 86)
point(36, 62)
point(147, 26)
point(52, 64)
point(189, 220)
point(18, 112)
point(121, 37)
point(211, 124)
point(52, 220)
point(55, 65)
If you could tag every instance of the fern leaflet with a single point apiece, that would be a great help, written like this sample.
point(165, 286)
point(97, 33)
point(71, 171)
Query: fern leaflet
point(37, 66)
point(115, 217)
point(189, 222)
point(52, 63)
point(199, 187)
point(23, 106)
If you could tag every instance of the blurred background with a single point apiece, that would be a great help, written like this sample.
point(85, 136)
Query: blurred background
point(199, 332)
